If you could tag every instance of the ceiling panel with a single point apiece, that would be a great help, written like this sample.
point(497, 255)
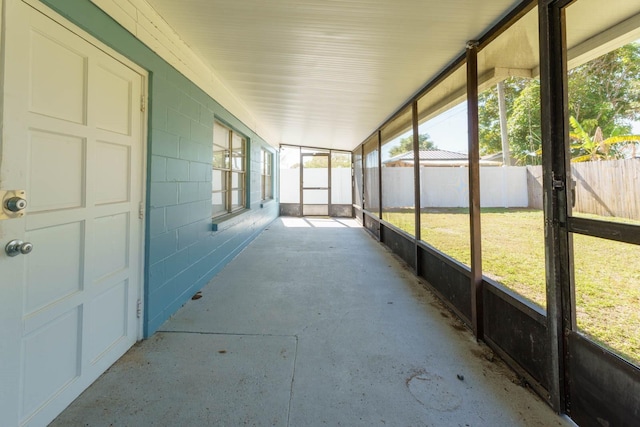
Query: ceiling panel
point(327, 73)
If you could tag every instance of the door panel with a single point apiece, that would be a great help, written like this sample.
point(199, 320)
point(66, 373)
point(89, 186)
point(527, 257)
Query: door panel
point(73, 140)
point(316, 197)
point(53, 187)
point(114, 93)
point(53, 274)
point(57, 76)
point(58, 340)
point(315, 184)
point(113, 172)
point(111, 253)
point(110, 304)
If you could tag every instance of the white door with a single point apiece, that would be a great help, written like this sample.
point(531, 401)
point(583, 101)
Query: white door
point(72, 138)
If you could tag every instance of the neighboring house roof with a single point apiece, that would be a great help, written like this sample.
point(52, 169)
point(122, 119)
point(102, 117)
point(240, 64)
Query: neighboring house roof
point(437, 157)
point(427, 155)
point(493, 157)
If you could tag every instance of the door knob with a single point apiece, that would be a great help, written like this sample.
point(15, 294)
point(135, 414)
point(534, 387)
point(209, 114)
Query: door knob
point(17, 247)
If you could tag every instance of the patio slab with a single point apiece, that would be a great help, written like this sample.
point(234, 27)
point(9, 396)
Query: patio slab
point(315, 323)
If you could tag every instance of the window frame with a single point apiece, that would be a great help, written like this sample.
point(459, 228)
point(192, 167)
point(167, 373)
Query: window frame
point(229, 162)
point(266, 175)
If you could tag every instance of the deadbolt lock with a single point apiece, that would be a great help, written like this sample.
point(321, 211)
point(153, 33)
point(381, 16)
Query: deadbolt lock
point(14, 203)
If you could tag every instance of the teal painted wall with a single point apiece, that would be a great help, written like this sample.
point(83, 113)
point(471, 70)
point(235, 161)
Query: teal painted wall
point(182, 251)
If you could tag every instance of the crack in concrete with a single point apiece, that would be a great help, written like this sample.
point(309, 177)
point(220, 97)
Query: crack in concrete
point(230, 334)
point(293, 377)
point(295, 354)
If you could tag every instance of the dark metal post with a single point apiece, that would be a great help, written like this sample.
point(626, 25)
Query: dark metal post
point(353, 184)
point(555, 166)
point(416, 181)
point(301, 181)
point(477, 309)
point(379, 176)
point(364, 180)
point(329, 182)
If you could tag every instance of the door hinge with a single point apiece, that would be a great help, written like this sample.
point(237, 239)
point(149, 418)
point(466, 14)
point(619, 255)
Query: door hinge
point(143, 103)
point(138, 308)
point(141, 211)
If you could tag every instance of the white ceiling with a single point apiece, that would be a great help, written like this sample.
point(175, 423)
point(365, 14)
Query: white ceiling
point(327, 73)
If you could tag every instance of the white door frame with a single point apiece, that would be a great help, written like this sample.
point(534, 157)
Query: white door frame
point(45, 10)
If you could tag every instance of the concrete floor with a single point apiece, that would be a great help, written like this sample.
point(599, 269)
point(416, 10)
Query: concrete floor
point(315, 323)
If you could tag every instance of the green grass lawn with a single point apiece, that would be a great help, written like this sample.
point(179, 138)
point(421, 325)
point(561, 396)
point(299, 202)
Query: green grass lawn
point(607, 273)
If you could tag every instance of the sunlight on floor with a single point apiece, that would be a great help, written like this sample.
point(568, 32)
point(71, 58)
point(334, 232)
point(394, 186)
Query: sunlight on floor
point(319, 222)
point(294, 222)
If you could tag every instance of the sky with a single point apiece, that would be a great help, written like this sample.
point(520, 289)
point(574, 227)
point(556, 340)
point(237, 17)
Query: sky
point(449, 129)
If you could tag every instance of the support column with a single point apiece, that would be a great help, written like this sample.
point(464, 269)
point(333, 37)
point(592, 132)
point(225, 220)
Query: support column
point(329, 182)
point(301, 182)
point(555, 167)
point(416, 181)
point(364, 183)
point(477, 306)
point(380, 185)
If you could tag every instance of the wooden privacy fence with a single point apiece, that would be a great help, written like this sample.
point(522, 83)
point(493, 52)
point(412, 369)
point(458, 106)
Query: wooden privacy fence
point(606, 188)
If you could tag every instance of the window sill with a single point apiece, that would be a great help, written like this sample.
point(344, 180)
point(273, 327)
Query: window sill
point(221, 223)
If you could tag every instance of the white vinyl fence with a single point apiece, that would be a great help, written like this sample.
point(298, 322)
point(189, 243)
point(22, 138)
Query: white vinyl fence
point(442, 187)
point(340, 186)
point(447, 187)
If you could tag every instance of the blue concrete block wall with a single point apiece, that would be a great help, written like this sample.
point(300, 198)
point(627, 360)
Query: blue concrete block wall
point(182, 251)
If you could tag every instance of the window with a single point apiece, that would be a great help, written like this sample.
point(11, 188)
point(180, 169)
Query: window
point(228, 182)
point(266, 182)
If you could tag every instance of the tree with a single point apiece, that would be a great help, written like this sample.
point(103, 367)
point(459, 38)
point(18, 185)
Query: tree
point(522, 97)
point(337, 161)
point(602, 93)
point(406, 144)
point(585, 148)
point(524, 126)
point(489, 114)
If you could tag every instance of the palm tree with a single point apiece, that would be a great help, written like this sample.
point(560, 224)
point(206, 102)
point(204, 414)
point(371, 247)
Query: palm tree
point(591, 148)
